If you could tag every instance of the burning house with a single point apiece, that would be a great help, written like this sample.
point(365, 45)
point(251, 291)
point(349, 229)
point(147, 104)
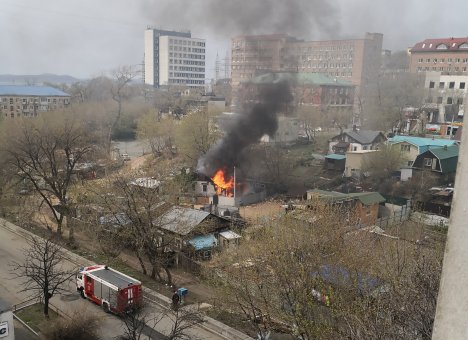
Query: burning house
point(223, 163)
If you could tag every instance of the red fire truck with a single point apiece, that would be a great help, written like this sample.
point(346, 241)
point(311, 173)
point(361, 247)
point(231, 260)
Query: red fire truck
point(109, 288)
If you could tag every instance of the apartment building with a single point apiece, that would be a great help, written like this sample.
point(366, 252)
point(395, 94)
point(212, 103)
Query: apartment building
point(354, 60)
point(449, 55)
point(29, 101)
point(174, 58)
point(445, 97)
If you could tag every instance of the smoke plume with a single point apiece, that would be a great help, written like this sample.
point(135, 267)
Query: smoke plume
point(227, 18)
point(260, 119)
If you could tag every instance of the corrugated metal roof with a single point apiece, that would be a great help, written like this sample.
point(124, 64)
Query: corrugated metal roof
point(444, 153)
point(423, 143)
point(201, 242)
point(17, 90)
point(335, 156)
point(303, 78)
point(229, 235)
point(181, 220)
point(366, 198)
point(363, 136)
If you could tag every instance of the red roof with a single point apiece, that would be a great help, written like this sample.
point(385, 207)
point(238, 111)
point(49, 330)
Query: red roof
point(445, 44)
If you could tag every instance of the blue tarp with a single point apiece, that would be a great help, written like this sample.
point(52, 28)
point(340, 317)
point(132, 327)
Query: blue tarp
point(335, 156)
point(203, 242)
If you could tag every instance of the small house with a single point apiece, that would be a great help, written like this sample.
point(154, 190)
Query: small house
point(365, 205)
point(438, 160)
point(356, 140)
point(191, 231)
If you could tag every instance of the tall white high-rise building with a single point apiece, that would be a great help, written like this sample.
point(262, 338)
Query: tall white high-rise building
point(174, 58)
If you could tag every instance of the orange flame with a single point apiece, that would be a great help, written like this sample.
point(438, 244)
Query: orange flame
point(222, 185)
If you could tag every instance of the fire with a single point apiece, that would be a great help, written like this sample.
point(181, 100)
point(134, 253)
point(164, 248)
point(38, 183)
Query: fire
point(222, 185)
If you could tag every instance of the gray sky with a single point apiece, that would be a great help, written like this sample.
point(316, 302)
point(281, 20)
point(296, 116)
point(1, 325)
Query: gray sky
point(85, 38)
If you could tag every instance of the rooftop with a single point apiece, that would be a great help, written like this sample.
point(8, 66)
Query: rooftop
point(366, 198)
point(423, 143)
point(117, 279)
point(444, 153)
point(363, 136)
point(441, 45)
point(182, 221)
point(201, 242)
point(17, 90)
point(335, 156)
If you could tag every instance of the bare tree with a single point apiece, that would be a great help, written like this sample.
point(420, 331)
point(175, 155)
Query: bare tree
point(141, 321)
point(183, 319)
point(43, 269)
point(135, 322)
point(45, 151)
point(139, 211)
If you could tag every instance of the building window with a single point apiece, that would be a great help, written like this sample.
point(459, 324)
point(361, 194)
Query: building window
point(460, 101)
point(452, 85)
point(431, 84)
point(441, 85)
point(462, 86)
point(449, 100)
point(405, 147)
point(410, 163)
point(428, 162)
point(463, 46)
point(439, 100)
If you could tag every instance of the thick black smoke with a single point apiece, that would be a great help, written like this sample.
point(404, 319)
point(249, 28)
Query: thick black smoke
point(227, 18)
point(248, 128)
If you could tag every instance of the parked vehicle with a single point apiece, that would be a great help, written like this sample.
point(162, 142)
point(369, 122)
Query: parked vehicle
point(126, 157)
point(109, 288)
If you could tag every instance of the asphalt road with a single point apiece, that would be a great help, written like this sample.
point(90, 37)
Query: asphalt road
point(11, 246)
point(70, 302)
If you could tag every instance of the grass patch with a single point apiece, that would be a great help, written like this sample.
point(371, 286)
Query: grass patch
point(34, 317)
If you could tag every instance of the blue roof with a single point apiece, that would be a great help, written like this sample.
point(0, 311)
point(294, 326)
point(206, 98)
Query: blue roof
point(335, 156)
point(201, 242)
point(422, 143)
point(17, 90)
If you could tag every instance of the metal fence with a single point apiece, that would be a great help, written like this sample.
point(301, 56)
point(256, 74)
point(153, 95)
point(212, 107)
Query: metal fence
point(394, 217)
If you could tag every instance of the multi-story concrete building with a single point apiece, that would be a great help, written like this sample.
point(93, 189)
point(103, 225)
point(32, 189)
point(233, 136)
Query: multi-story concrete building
point(29, 101)
point(443, 55)
point(446, 96)
point(174, 58)
point(354, 60)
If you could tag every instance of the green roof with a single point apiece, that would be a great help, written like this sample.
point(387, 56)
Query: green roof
point(335, 156)
point(303, 78)
point(444, 153)
point(366, 198)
